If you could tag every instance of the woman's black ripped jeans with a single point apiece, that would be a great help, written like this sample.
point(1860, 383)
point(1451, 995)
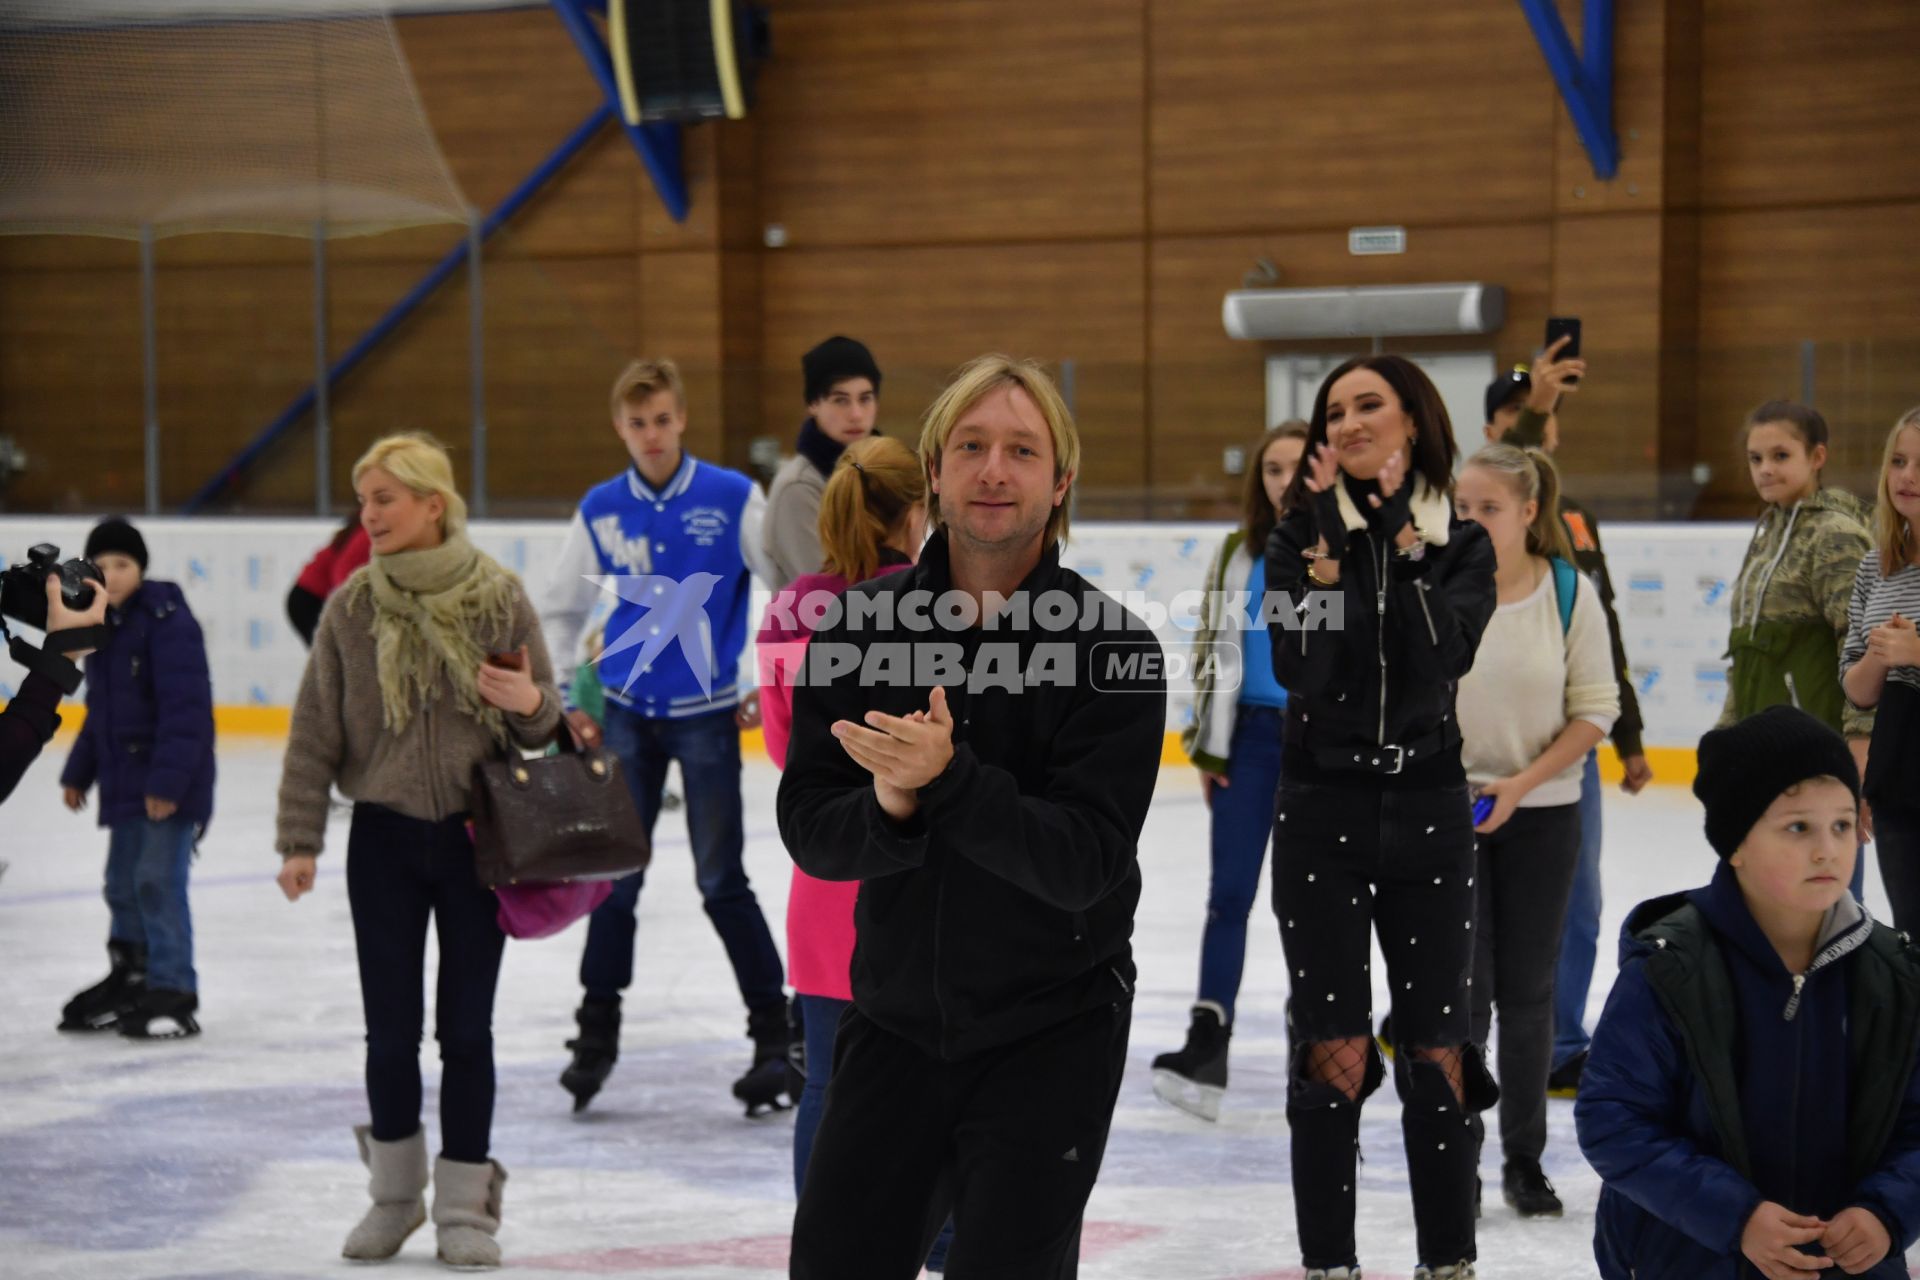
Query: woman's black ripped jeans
point(1349, 860)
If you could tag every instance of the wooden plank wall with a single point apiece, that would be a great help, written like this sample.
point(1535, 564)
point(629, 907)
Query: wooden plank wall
point(1079, 180)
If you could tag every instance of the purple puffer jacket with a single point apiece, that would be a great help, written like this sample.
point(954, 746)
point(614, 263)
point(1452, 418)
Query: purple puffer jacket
point(149, 727)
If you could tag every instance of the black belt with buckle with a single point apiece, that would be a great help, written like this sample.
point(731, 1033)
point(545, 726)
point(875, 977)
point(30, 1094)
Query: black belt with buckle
point(1385, 758)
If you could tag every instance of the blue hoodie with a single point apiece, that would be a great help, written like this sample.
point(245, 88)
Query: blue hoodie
point(1675, 1197)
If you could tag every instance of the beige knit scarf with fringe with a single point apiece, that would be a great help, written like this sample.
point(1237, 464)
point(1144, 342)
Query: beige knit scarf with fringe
point(431, 610)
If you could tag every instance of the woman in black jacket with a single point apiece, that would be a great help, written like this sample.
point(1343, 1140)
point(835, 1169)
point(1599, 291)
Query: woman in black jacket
point(1392, 593)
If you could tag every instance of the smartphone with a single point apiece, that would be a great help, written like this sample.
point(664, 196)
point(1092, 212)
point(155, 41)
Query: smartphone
point(505, 661)
point(1568, 327)
point(1482, 809)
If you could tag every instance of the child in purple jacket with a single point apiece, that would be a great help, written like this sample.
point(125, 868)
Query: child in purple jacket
point(148, 743)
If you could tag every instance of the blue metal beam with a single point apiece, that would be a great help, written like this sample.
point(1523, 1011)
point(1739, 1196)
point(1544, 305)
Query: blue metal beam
point(658, 144)
point(1585, 78)
point(437, 276)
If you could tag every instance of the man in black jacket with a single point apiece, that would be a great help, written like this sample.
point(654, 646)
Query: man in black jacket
point(976, 740)
point(33, 714)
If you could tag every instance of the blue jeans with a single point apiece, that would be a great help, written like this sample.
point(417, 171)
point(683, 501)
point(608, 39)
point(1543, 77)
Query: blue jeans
point(401, 872)
point(146, 891)
point(821, 1018)
point(708, 749)
point(1242, 823)
point(1580, 940)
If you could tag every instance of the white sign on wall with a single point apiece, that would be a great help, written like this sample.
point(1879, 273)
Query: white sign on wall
point(1671, 582)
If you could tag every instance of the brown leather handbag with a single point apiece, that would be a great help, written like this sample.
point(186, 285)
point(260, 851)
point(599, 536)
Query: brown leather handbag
point(555, 818)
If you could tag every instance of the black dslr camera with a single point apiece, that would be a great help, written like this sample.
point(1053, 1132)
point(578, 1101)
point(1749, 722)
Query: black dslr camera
point(23, 588)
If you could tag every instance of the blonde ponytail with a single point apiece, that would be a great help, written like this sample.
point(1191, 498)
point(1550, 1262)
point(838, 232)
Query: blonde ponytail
point(875, 485)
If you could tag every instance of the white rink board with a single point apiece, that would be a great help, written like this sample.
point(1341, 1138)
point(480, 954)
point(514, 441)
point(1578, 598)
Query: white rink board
point(1672, 582)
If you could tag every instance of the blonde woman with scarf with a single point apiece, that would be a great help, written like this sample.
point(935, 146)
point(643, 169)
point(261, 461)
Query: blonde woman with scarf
point(426, 661)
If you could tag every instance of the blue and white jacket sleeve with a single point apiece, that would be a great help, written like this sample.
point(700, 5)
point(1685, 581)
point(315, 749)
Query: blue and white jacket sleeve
point(753, 549)
point(568, 601)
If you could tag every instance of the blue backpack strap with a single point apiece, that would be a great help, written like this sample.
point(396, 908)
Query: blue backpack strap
point(1566, 589)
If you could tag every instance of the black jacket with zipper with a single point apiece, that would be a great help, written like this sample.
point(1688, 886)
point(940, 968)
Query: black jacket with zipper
point(1005, 904)
point(1371, 703)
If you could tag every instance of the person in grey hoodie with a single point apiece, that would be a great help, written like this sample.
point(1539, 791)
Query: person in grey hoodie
point(428, 660)
point(843, 400)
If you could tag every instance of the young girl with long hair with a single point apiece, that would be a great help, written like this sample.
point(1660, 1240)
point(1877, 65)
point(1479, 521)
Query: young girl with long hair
point(1880, 667)
point(1390, 595)
point(1234, 740)
point(872, 522)
point(409, 686)
point(1540, 696)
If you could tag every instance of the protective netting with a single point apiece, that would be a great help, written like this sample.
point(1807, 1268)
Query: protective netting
point(275, 116)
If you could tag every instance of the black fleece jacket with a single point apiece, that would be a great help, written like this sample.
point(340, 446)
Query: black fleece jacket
point(1005, 904)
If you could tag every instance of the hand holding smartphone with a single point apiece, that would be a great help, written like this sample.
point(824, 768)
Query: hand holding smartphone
point(1482, 809)
point(513, 661)
point(1567, 327)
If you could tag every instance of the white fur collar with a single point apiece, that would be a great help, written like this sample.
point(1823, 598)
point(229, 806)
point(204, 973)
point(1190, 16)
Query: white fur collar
point(1429, 509)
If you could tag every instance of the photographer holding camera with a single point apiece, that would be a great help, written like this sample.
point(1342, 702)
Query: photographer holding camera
point(73, 631)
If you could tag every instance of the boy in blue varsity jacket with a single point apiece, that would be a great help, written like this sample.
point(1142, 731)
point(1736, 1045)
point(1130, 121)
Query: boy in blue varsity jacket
point(1751, 1104)
point(677, 542)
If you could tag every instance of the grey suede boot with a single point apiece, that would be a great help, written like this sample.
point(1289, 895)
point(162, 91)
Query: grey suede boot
point(399, 1177)
point(466, 1212)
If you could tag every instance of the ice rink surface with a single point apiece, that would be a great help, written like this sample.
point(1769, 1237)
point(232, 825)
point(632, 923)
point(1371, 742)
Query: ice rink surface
point(230, 1155)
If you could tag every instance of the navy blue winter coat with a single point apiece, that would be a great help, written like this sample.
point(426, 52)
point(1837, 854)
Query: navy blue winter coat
point(1713, 1076)
point(149, 726)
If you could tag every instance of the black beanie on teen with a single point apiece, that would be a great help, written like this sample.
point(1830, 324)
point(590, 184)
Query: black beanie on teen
point(114, 534)
point(835, 360)
point(1744, 767)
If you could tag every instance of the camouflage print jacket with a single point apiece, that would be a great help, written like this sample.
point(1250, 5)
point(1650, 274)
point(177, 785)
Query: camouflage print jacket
point(1789, 607)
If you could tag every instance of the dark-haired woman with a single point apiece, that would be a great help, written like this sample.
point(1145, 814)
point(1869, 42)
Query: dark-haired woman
point(1235, 742)
point(1374, 828)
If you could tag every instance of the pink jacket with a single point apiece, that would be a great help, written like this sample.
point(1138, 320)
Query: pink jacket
point(819, 912)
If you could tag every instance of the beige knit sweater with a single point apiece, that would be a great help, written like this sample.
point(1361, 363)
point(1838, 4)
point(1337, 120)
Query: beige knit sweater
point(337, 735)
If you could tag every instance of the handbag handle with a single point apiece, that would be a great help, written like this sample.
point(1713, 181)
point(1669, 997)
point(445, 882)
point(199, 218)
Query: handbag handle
point(595, 760)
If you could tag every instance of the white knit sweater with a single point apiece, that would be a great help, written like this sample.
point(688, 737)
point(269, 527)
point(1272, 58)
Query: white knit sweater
point(1529, 681)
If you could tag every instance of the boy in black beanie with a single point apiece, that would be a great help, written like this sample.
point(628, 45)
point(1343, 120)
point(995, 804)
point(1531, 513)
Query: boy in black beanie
point(843, 402)
point(1750, 1103)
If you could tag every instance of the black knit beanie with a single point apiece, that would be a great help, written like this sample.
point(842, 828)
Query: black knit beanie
point(1744, 767)
point(115, 534)
point(834, 360)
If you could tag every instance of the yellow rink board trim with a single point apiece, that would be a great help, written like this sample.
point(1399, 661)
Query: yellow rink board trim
point(1671, 765)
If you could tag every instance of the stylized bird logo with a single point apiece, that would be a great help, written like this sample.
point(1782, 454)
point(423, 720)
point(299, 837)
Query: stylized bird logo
point(671, 609)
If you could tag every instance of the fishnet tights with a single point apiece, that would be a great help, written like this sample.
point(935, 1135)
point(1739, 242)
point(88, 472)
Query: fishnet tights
point(1343, 1065)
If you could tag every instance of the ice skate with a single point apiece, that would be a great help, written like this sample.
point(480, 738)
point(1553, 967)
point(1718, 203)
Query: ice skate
point(1527, 1190)
point(160, 1015)
point(1194, 1079)
point(595, 1050)
point(765, 1081)
point(1461, 1270)
point(100, 1006)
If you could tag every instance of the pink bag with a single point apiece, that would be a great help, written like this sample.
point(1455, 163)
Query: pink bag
point(542, 910)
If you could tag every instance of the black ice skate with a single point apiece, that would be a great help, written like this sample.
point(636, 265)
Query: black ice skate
point(594, 1052)
point(1194, 1079)
point(1526, 1188)
point(765, 1082)
point(99, 1007)
point(160, 1015)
